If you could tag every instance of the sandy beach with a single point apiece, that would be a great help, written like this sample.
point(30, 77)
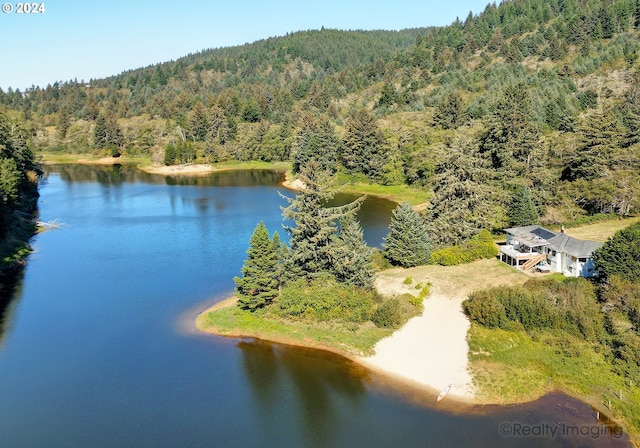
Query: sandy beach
point(179, 169)
point(430, 349)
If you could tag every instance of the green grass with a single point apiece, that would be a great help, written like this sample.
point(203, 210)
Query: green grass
point(396, 193)
point(602, 230)
point(64, 158)
point(347, 338)
point(251, 165)
point(513, 367)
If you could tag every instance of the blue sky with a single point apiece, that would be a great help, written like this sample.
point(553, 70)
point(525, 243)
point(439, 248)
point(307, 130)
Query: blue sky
point(85, 40)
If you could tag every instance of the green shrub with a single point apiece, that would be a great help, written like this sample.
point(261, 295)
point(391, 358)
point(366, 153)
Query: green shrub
point(408, 281)
point(567, 304)
point(379, 261)
point(484, 308)
point(424, 292)
point(479, 247)
point(388, 314)
point(324, 299)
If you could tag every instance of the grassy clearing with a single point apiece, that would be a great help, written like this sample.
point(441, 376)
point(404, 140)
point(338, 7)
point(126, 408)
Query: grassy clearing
point(251, 165)
point(65, 158)
point(510, 367)
point(396, 193)
point(349, 339)
point(600, 231)
point(451, 281)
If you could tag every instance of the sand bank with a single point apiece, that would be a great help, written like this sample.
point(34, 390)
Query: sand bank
point(179, 169)
point(430, 349)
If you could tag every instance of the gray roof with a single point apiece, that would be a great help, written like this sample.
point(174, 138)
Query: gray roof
point(535, 236)
point(532, 236)
point(573, 246)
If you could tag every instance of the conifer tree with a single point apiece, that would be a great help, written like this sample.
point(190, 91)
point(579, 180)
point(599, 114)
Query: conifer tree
point(363, 150)
point(197, 122)
point(259, 283)
point(600, 136)
point(315, 223)
point(317, 141)
point(351, 256)
point(449, 112)
point(407, 243)
point(523, 211)
point(64, 123)
point(464, 202)
point(512, 136)
point(620, 255)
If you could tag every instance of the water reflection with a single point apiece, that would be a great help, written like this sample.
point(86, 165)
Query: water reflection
point(115, 175)
point(11, 283)
point(323, 388)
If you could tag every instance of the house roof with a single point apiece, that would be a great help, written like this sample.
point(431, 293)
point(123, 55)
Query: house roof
point(536, 236)
point(573, 246)
point(532, 236)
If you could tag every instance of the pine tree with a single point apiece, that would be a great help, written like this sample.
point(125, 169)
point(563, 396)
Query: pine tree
point(464, 202)
point(259, 283)
point(407, 243)
point(363, 150)
point(315, 223)
point(620, 255)
point(601, 137)
point(449, 112)
point(64, 123)
point(318, 142)
point(351, 256)
point(107, 134)
point(197, 122)
point(523, 211)
point(512, 135)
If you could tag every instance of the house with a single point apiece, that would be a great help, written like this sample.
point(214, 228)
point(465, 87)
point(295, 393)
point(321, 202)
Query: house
point(532, 247)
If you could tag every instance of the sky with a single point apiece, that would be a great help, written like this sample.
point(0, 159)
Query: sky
point(96, 39)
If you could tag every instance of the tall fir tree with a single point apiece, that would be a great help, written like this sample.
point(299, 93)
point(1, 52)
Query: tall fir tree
point(464, 202)
point(319, 142)
point(512, 135)
point(363, 150)
point(64, 123)
point(523, 211)
point(601, 136)
point(407, 243)
point(315, 224)
point(351, 256)
point(449, 112)
point(259, 283)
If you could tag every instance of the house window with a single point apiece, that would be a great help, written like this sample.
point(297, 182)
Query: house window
point(582, 260)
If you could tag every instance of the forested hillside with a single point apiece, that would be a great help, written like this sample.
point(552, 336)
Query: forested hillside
point(18, 192)
point(533, 99)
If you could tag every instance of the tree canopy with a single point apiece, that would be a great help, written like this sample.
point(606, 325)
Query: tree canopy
point(407, 244)
point(620, 255)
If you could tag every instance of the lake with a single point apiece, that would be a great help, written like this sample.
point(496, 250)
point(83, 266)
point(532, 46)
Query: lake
point(98, 347)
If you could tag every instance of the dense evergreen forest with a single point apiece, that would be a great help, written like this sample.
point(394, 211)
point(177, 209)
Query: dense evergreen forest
point(19, 175)
point(535, 99)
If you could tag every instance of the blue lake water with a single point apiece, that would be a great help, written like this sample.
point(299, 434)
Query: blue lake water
point(98, 350)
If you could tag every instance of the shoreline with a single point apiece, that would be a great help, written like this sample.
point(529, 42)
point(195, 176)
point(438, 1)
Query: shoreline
point(398, 380)
point(450, 285)
point(393, 381)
